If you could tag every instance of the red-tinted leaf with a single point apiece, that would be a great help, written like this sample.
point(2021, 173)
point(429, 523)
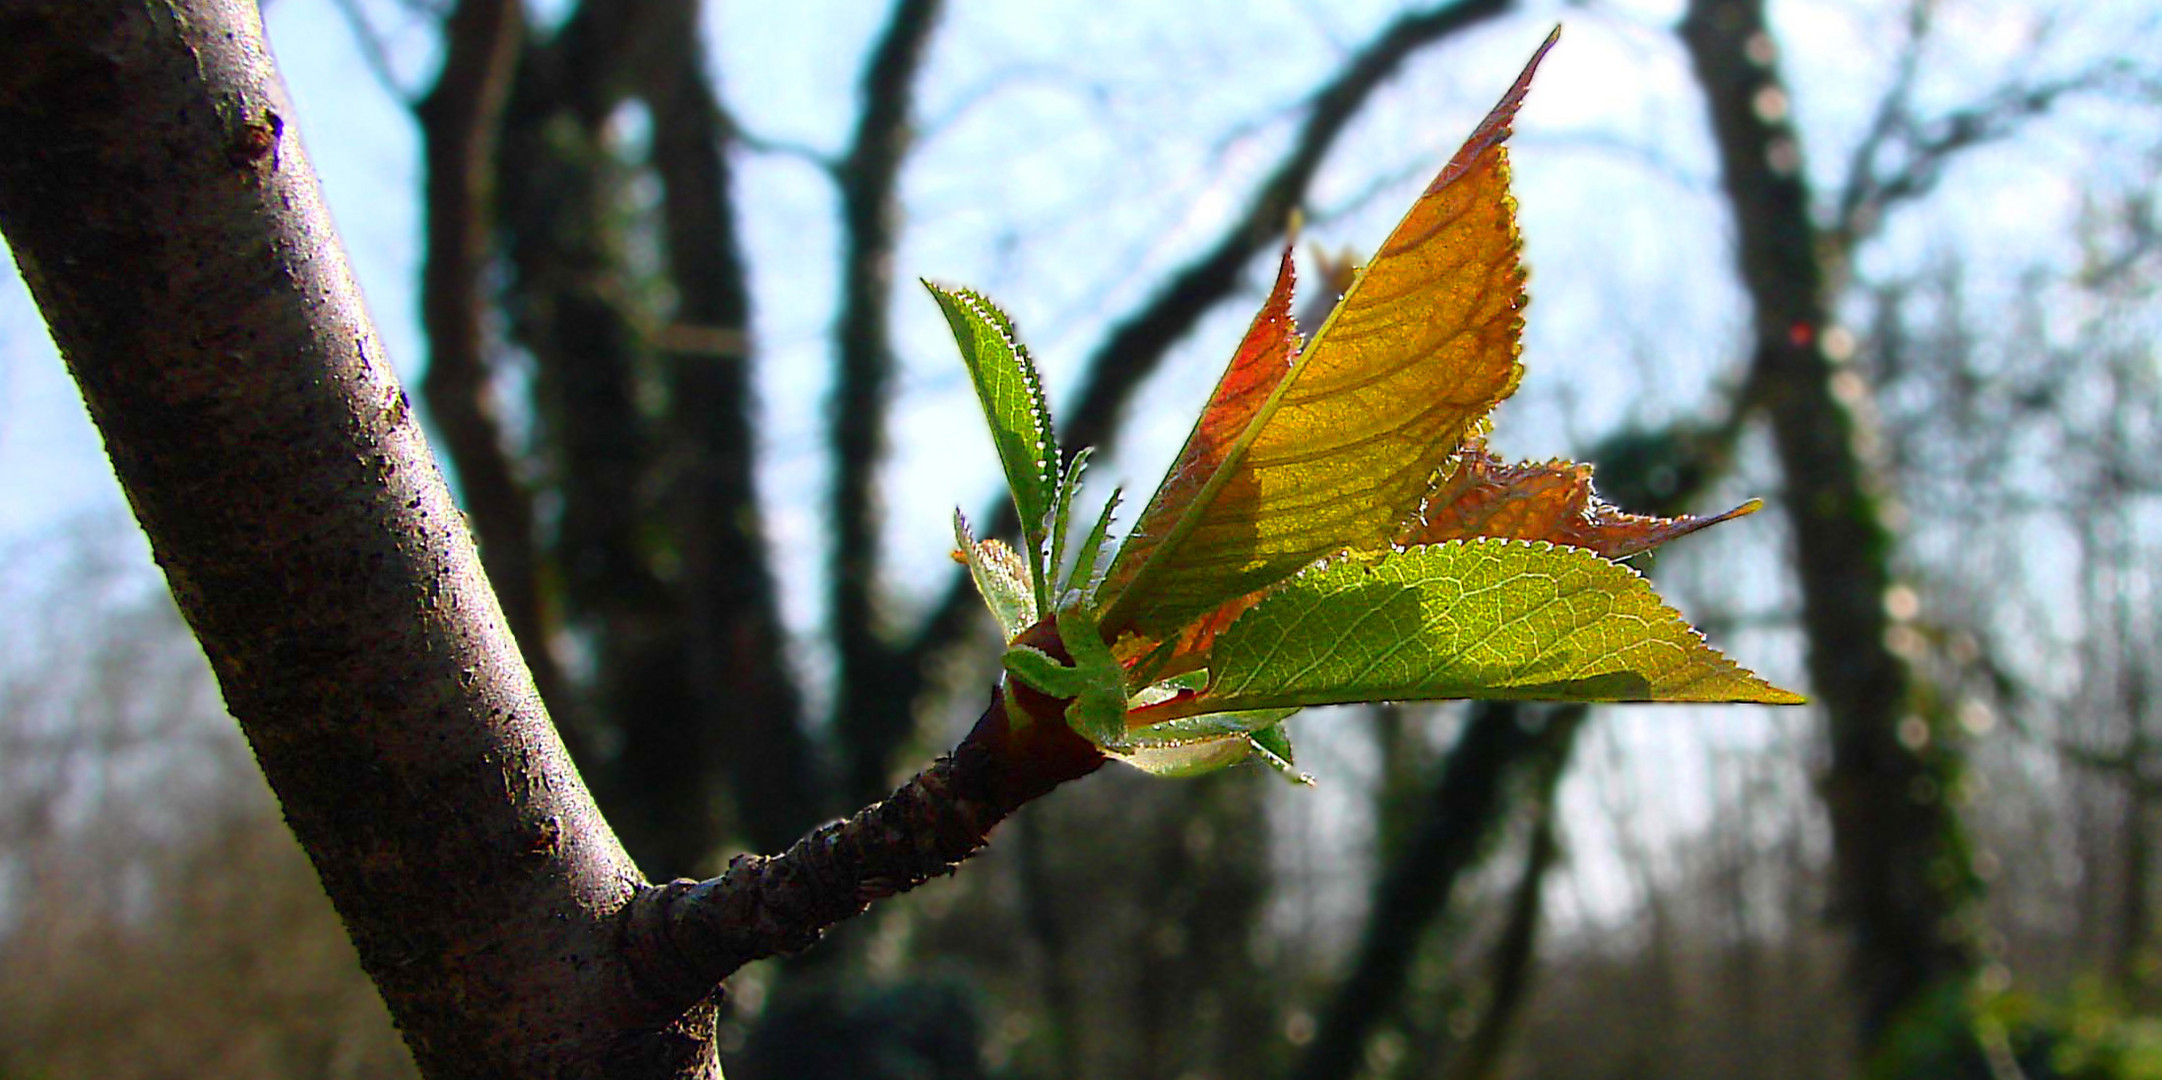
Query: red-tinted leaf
point(1554, 501)
point(1261, 362)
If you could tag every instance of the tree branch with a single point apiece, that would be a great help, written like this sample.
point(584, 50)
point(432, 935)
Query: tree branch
point(684, 937)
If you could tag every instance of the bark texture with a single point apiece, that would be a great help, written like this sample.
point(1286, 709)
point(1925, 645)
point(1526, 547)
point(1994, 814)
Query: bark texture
point(686, 936)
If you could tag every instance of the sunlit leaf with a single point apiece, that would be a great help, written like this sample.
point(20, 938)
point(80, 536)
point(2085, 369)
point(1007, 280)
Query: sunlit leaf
point(1260, 364)
point(1013, 405)
point(1344, 448)
point(1198, 744)
point(1479, 618)
point(1001, 578)
point(1334, 529)
point(1485, 497)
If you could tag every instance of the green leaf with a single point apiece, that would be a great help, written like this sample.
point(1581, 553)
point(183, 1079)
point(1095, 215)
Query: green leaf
point(1085, 575)
point(1013, 404)
point(1192, 757)
point(1203, 744)
point(1059, 524)
point(1479, 618)
point(1272, 745)
point(1098, 710)
point(1043, 671)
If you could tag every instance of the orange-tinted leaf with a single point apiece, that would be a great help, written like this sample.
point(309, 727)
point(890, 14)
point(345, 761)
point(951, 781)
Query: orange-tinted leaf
point(1260, 364)
point(1344, 449)
point(1484, 496)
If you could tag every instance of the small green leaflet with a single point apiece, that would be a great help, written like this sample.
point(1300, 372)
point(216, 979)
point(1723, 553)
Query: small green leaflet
point(1001, 578)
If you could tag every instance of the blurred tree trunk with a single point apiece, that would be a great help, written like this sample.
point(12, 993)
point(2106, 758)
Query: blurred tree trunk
point(875, 712)
point(1478, 787)
point(1899, 873)
point(642, 390)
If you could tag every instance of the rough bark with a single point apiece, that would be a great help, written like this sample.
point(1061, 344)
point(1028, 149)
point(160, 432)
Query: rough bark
point(686, 936)
point(1897, 868)
point(165, 218)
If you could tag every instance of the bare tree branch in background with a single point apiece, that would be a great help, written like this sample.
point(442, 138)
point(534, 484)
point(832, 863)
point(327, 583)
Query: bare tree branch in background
point(1510, 967)
point(871, 715)
point(1470, 799)
point(571, 308)
point(749, 713)
point(373, 52)
point(460, 121)
point(1904, 154)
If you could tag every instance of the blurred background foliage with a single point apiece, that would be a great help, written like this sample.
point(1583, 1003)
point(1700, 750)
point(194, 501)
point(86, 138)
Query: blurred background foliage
point(1893, 266)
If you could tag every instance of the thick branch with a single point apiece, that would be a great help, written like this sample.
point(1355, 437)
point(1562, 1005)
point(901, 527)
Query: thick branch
point(172, 234)
point(684, 937)
point(1138, 344)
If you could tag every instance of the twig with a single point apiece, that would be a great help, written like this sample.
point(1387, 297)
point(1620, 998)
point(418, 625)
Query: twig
point(373, 52)
point(682, 938)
